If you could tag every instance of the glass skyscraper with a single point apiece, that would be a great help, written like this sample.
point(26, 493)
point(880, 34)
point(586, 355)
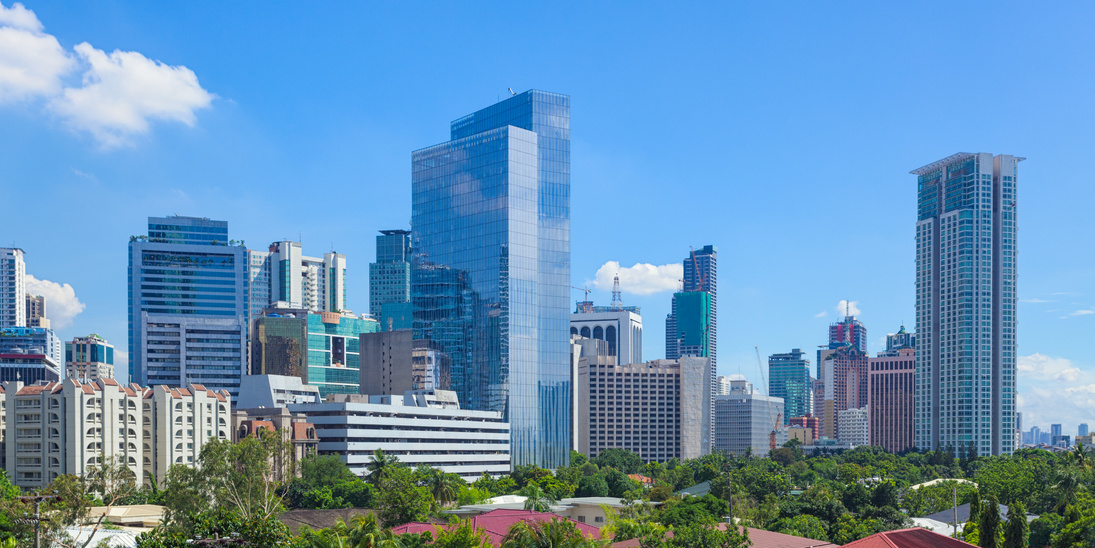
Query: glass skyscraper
point(966, 272)
point(187, 304)
point(390, 280)
point(490, 228)
point(789, 378)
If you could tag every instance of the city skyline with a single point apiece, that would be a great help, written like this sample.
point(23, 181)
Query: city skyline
point(265, 137)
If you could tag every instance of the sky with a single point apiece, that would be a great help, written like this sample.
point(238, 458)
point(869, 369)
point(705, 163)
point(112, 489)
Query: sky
point(782, 133)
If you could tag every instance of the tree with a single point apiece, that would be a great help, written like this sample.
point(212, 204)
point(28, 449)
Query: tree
point(1017, 531)
point(400, 499)
point(620, 459)
point(443, 486)
point(618, 483)
point(988, 526)
point(243, 476)
point(366, 532)
point(803, 525)
point(700, 536)
point(535, 499)
point(546, 534)
point(592, 486)
point(461, 536)
point(379, 464)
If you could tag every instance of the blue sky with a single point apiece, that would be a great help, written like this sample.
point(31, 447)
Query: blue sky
point(782, 133)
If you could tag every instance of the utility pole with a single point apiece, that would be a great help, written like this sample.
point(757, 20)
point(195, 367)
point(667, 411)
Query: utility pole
point(954, 523)
point(38, 519)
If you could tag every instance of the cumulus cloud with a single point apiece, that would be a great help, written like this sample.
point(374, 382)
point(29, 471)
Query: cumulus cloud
point(1039, 367)
point(640, 279)
point(61, 302)
point(849, 308)
point(117, 95)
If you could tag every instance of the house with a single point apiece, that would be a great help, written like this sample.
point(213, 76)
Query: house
point(589, 510)
point(908, 538)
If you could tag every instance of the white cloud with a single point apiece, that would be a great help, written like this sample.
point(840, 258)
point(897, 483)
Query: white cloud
point(118, 94)
point(61, 302)
point(1035, 301)
point(32, 63)
point(1039, 367)
point(1082, 312)
point(847, 308)
point(821, 314)
point(640, 279)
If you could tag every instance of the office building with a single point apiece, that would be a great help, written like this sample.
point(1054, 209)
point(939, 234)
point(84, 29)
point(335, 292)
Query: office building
point(66, 427)
point(28, 367)
point(853, 426)
point(188, 291)
point(322, 349)
point(848, 331)
point(843, 386)
point(890, 389)
point(32, 340)
point(283, 274)
point(897, 341)
point(966, 275)
point(745, 419)
point(89, 358)
point(269, 391)
point(789, 379)
point(700, 275)
point(424, 427)
point(490, 223)
point(13, 288)
point(659, 410)
point(1081, 430)
point(621, 329)
point(390, 280)
point(36, 311)
point(392, 362)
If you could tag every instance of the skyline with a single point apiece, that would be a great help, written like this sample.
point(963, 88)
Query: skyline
point(803, 107)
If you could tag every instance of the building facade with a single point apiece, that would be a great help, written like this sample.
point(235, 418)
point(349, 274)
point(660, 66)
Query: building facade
point(89, 358)
point(36, 311)
point(32, 340)
point(890, 399)
point(659, 410)
point(700, 275)
point(789, 379)
point(621, 329)
point(13, 288)
point(491, 208)
point(849, 331)
point(184, 275)
point(853, 426)
point(745, 419)
point(425, 427)
point(390, 280)
point(269, 391)
point(899, 340)
point(392, 362)
point(966, 324)
point(283, 274)
point(66, 427)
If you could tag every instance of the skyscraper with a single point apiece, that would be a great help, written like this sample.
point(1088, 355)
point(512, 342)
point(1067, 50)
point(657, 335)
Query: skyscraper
point(966, 272)
point(849, 331)
point(187, 304)
point(890, 382)
point(36, 311)
point(1082, 429)
point(700, 274)
point(491, 209)
point(284, 274)
point(13, 288)
point(390, 280)
point(789, 379)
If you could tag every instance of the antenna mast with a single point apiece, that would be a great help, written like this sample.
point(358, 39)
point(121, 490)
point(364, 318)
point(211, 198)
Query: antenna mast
point(617, 303)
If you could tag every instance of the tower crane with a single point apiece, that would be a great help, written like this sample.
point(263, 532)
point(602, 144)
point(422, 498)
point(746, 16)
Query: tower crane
point(775, 426)
point(699, 275)
point(585, 305)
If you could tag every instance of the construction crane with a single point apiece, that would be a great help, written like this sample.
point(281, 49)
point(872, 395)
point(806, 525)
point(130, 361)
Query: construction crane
point(699, 275)
point(584, 305)
point(775, 427)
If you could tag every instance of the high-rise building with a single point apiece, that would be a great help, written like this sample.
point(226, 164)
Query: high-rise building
point(700, 275)
point(89, 358)
point(844, 379)
point(188, 292)
point(852, 424)
point(32, 340)
point(659, 410)
point(621, 329)
point(283, 274)
point(899, 340)
point(392, 363)
point(390, 280)
point(722, 385)
point(966, 324)
point(13, 288)
point(36, 311)
point(890, 389)
point(744, 420)
point(1082, 429)
point(789, 379)
point(848, 331)
point(491, 208)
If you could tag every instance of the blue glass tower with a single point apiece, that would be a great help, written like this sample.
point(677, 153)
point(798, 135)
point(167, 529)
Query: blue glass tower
point(491, 220)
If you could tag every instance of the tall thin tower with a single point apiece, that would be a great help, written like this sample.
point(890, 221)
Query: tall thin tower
point(966, 276)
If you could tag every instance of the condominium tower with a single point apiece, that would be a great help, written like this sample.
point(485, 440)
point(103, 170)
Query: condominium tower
point(491, 219)
point(187, 305)
point(13, 288)
point(283, 274)
point(966, 272)
point(700, 275)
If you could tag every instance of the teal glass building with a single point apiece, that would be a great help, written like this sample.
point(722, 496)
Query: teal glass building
point(490, 229)
point(390, 280)
point(789, 378)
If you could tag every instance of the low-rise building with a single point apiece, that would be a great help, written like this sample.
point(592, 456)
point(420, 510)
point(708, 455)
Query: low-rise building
point(28, 368)
point(421, 427)
point(293, 427)
point(258, 391)
point(745, 419)
point(66, 427)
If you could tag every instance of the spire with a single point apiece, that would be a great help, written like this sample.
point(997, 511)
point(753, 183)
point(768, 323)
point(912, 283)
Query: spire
point(617, 303)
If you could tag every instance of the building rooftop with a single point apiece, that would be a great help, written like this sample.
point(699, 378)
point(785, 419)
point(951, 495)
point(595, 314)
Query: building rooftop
point(497, 523)
point(908, 538)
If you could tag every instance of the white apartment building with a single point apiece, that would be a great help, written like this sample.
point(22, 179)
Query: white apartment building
point(180, 349)
point(420, 427)
point(13, 288)
point(853, 426)
point(67, 427)
point(284, 274)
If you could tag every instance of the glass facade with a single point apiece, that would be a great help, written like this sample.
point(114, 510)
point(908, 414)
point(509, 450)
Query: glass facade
point(490, 229)
point(966, 274)
point(390, 279)
point(789, 378)
point(334, 353)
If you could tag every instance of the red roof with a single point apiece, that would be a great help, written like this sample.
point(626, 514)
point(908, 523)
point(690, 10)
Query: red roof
point(497, 523)
point(760, 539)
point(641, 479)
point(908, 538)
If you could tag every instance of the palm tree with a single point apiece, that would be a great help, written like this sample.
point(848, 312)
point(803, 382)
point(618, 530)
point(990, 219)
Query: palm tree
point(546, 534)
point(1069, 482)
point(1081, 457)
point(380, 464)
point(536, 499)
point(366, 532)
point(443, 486)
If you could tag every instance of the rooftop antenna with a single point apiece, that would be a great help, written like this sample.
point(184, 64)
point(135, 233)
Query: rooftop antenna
point(511, 92)
point(617, 303)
